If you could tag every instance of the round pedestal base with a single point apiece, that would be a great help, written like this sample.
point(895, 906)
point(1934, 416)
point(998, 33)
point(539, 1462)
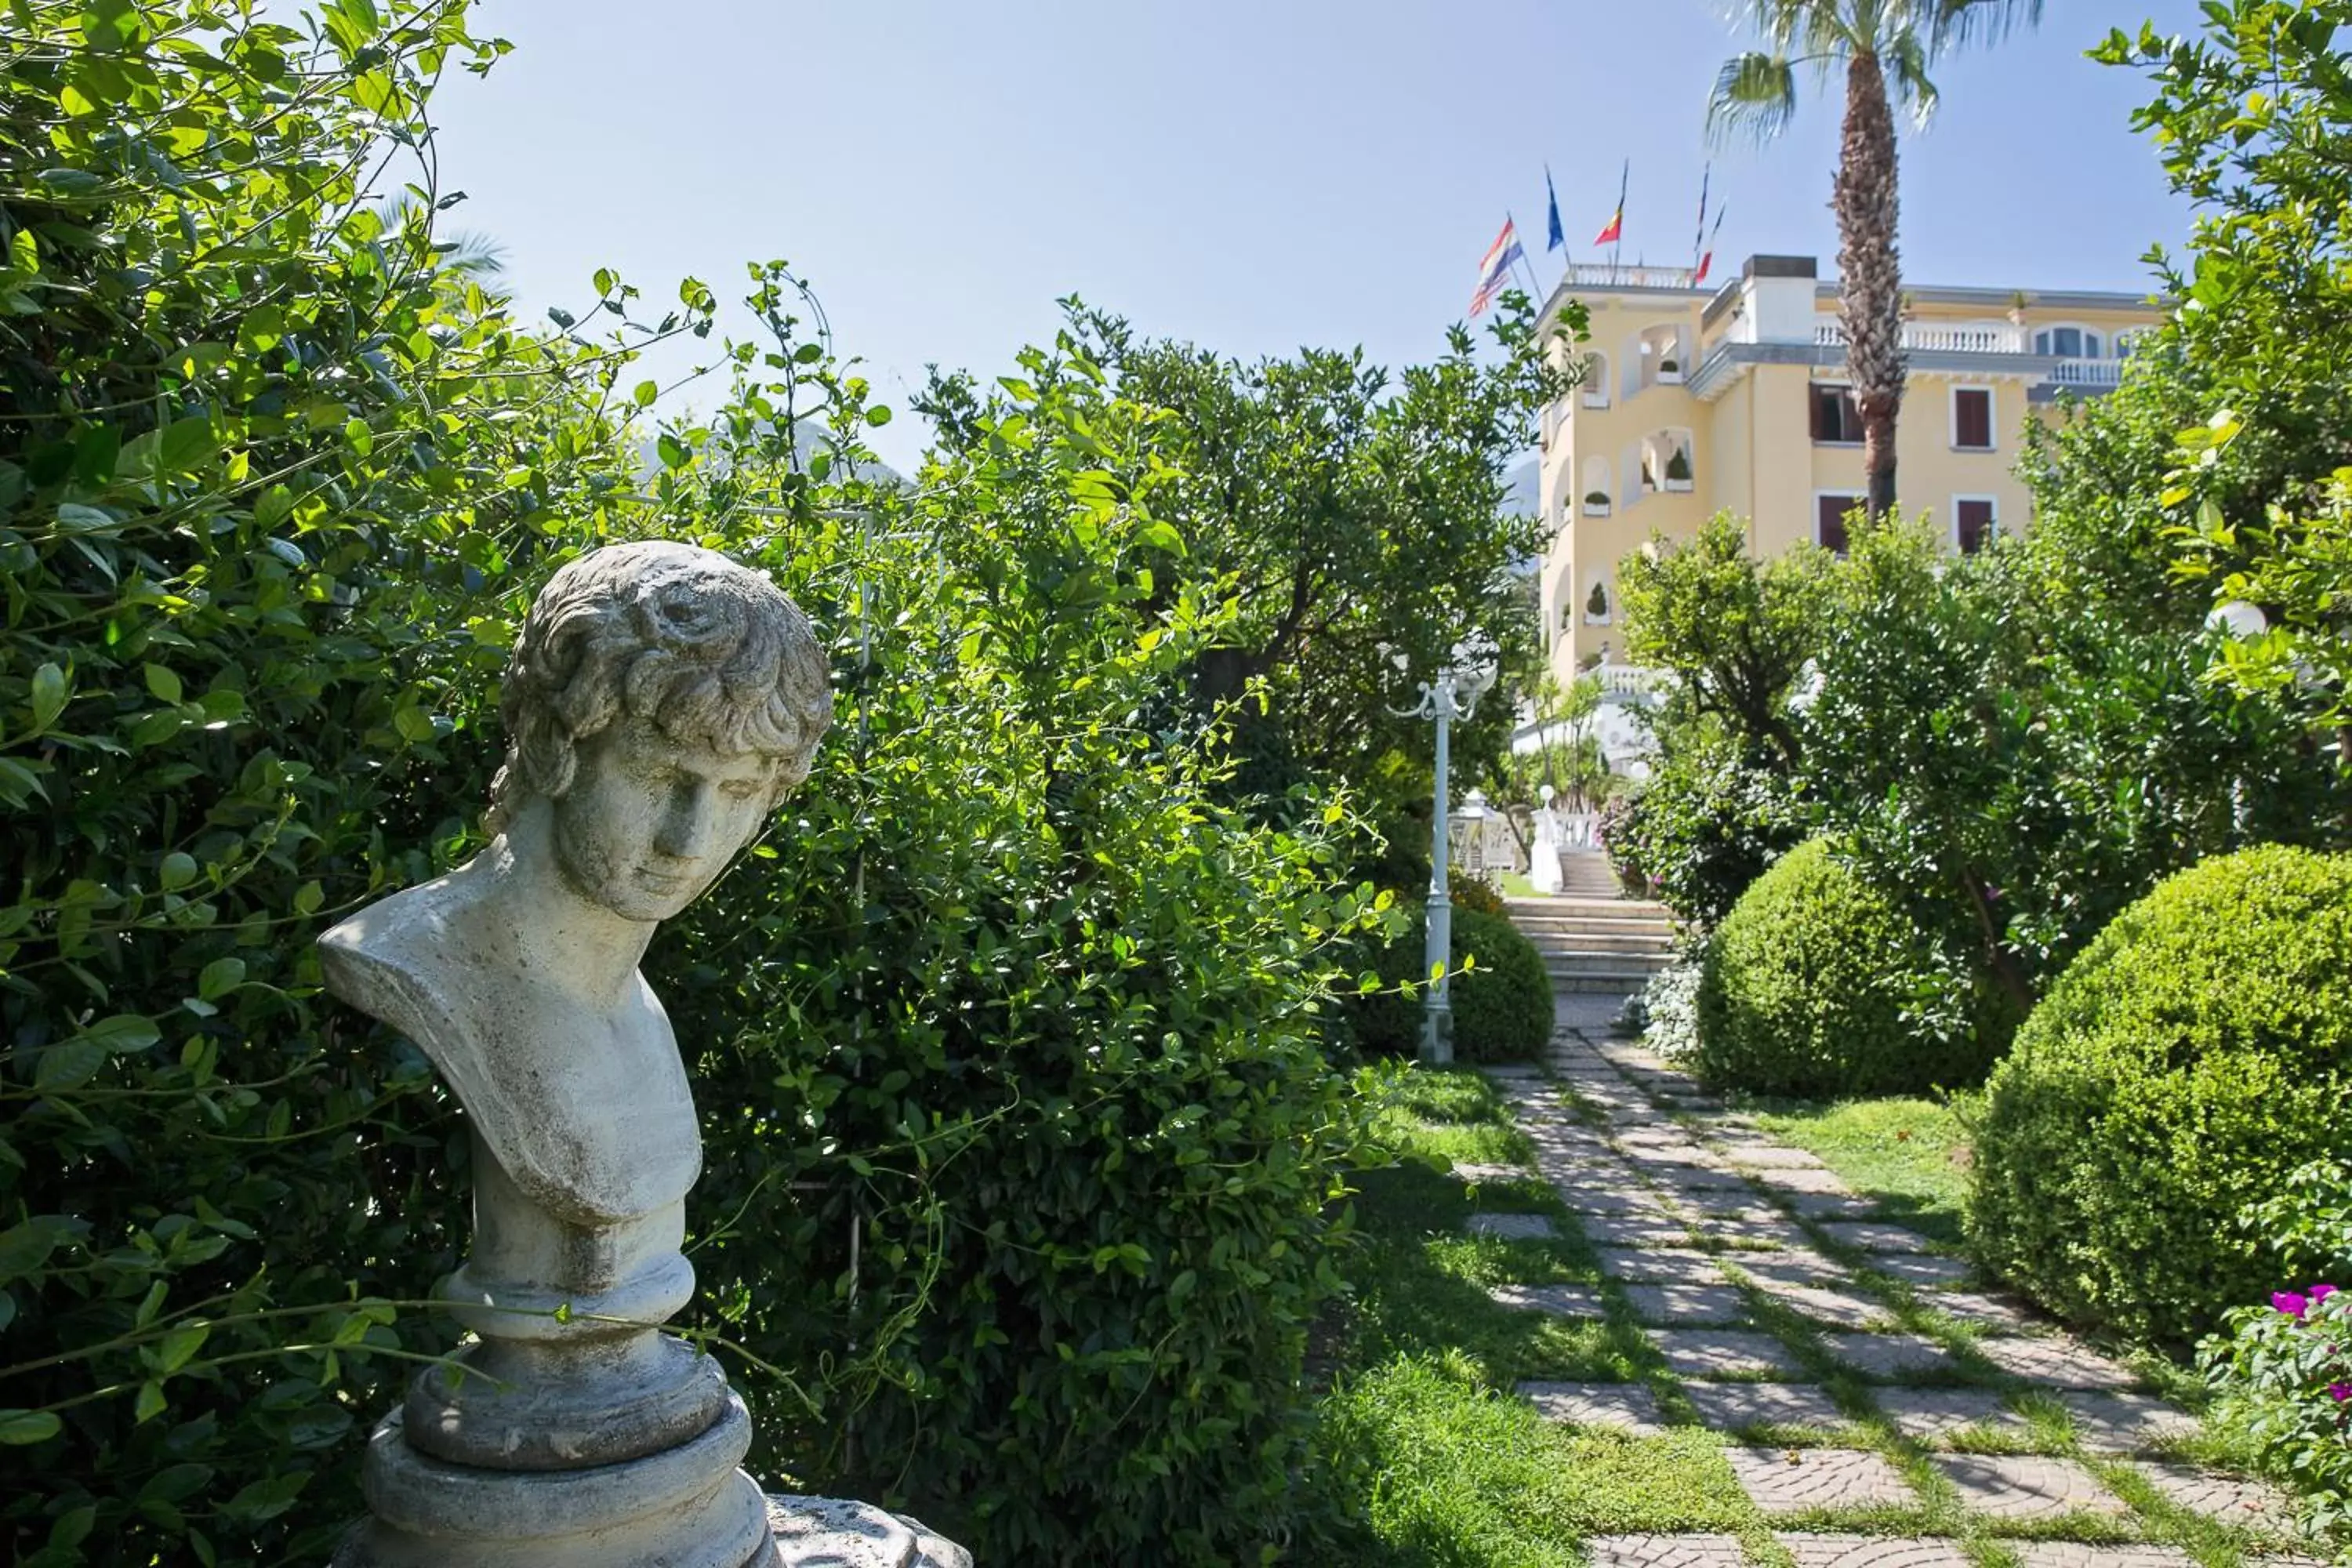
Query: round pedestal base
point(828, 1532)
point(686, 1507)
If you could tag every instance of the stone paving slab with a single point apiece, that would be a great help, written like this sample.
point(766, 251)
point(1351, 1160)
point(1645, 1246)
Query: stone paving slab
point(1734, 1407)
point(1686, 1303)
point(1924, 1269)
point(1798, 1265)
point(1522, 1070)
point(1730, 1203)
point(1471, 1171)
point(2015, 1487)
point(2070, 1554)
point(1793, 1480)
point(1769, 1235)
point(1871, 1551)
point(1832, 1206)
point(1813, 1179)
point(1873, 1236)
point(1556, 1300)
point(1587, 1197)
point(1725, 1353)
point(1771, 1157)
point(1628, 1406)
point(1665, 1551)
point(1662, 1265)
point(1976, 1309)
point(1935, 1414)
point(1632, 1230)
point(2247, 1504)
point(1889, 1355)
point(1689, 1178)
point(1839, 1309)
point(2058, 1362)
point(1512, 1226)
point(2118, 1423)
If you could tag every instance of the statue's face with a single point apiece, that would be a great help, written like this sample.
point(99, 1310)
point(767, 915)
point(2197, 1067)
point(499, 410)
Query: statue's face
point(650, 821)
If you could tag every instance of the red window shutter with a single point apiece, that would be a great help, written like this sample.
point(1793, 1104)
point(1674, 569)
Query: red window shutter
point(1833, 521)
point(1972, 419)
point(1975, 519)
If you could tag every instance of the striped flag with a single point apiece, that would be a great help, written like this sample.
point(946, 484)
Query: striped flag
point(1615, 231)
point(1698, 240)
point(1496, 270)
point(1707, 258)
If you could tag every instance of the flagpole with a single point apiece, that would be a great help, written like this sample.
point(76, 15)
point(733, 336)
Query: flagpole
point(1625, 185)
point(1535, 288)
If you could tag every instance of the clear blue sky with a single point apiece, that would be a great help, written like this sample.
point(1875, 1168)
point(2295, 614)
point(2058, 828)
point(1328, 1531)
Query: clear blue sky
point(1251, 176)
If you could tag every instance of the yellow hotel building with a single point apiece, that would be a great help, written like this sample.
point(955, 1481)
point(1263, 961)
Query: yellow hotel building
point(1695, 402)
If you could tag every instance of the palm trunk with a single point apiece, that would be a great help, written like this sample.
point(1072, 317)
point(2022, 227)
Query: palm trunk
point(1870, 273)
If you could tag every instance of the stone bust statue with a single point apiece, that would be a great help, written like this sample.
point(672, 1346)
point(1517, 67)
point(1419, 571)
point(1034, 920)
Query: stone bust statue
point(659, 703)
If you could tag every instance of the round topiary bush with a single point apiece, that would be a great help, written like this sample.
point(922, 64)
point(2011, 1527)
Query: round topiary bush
point(2198, 1051)
point(1813, 986)
point(1502, 1004)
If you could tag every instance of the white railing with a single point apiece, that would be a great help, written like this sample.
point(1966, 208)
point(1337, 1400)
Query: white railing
point(1631, 679)
point(1923, 339)
point(2088, 372)
point(1603, 276)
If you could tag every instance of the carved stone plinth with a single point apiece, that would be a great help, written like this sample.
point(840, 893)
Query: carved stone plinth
point(826, 1532)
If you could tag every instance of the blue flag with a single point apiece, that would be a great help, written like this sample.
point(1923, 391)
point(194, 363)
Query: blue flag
point(1551, 198)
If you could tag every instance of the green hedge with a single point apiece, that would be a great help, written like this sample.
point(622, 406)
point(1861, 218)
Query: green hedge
point(1816, 985)
point(2195, 1053)
point(1503, 1009)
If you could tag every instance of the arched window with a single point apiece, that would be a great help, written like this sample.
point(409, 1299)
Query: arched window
point(1663, 359)
point(1669, 462)
point(1594, 391)
point(2068, 342)
point(1597, 495)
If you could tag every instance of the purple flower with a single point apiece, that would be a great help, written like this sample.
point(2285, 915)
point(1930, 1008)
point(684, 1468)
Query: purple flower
point(2320, 1293)
point(2290, 1302)
point(2339, 1391)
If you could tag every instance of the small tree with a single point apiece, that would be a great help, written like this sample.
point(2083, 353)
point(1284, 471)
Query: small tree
point(1596, 604)
point(1678, 467)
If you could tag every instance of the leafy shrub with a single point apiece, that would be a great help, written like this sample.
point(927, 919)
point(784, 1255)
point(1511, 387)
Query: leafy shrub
point(1665, 1012)
point(1503, 1009)
point(2283, 1372)
point(2196, 1051)
point(1475, 893)
point(1815, 985)
point(1019, 1150)
point(1702, 829)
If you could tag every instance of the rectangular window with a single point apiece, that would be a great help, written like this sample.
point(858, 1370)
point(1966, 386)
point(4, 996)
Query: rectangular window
point(1972, 419)
point(1836, 417)
point(1975, 523)
point(1829, 525)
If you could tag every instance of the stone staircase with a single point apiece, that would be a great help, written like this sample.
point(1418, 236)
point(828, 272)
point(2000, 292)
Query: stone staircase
point(1592, 938)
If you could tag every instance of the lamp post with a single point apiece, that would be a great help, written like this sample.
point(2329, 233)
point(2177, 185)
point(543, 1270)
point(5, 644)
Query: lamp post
point(1469, 676)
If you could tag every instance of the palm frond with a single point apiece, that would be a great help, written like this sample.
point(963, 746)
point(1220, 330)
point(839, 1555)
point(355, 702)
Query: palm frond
point(1755, 98)
point(1797, 26)
point(1958, 24)
point(1906, 78)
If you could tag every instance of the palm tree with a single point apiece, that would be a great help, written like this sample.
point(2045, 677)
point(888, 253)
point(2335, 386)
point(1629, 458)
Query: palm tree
point(1887, 48)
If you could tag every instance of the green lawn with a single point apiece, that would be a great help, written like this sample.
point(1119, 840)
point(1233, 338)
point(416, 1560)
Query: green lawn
point(1910, 1154)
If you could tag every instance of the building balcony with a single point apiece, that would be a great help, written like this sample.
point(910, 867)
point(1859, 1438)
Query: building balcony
point(1979, 353)
point(1926, 338)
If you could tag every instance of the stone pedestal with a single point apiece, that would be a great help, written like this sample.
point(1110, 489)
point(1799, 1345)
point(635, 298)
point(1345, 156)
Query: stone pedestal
point(826, 1532)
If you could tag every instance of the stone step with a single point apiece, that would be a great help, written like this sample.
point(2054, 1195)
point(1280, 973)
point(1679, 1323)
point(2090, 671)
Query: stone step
point(1541, 907)
point(1630, 925)
point(1567, 944)
point(1597, 984)
point(1638, 966)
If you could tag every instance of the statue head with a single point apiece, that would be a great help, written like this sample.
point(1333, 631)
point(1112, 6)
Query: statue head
point(663, 698)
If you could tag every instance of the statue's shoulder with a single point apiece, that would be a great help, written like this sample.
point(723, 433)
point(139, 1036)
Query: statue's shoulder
point(393, 959)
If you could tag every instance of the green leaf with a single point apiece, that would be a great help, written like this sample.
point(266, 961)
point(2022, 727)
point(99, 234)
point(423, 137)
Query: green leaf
point(357, 436)
point(48, 696)
point(163, 683)
point(415, 724)
point(150, 1403)
point(307, 898)
point(70, 1063)
point(673, 452)
point(185, 445)
point(177, 871)
point(220, 977)
point(647, 391)
point(122, 1032)
point(178, 1346)
point(22, 1426)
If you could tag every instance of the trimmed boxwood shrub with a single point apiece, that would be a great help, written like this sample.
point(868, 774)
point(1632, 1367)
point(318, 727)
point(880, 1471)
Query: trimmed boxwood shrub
point(1816, 985)
point(1502, 1006)
point(2195, 1053)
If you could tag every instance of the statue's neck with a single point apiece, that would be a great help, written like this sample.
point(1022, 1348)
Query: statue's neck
point(557, 931)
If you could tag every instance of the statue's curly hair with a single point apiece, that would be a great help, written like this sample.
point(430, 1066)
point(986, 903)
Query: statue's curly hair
point(705, 649)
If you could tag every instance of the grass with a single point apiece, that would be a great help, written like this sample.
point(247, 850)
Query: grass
point(1428, 1460)
point(1911, 1155)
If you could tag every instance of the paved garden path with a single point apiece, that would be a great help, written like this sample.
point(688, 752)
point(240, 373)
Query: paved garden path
point(1879, 1405)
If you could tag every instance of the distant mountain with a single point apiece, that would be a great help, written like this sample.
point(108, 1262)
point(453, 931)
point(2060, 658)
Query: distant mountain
point(1526, 482)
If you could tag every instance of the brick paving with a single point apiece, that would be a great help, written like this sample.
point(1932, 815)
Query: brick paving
point(2023, 1487)
point(1795, 1480)
point(1669, 1206)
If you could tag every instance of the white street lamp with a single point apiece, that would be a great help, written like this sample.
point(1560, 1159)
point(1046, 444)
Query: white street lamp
point(1467, 676)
